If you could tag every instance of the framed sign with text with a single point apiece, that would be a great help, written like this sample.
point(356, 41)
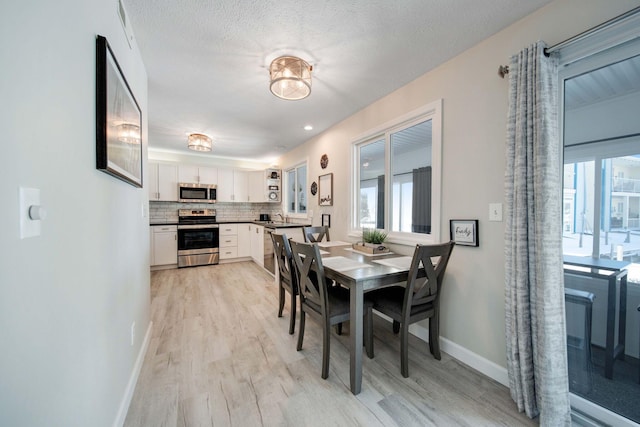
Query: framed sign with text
point(464, 231)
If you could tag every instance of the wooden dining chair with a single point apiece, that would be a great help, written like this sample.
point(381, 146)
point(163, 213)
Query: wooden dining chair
point(316, 234)
point(329, 304)
point(416, 300)
point(287, 277)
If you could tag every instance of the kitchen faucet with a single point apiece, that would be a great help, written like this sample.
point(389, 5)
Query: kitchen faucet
point(281, 217)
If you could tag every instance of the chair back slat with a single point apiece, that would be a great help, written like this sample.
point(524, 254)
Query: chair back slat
point(282, 250)
point(316, 234)
point(312, 283)
point(426, 274)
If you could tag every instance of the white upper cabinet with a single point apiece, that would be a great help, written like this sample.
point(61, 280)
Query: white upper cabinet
point(257, 187)
point(197, 174)
point(241, 186)
point(224, 192)
point(163, 182)
point(233, 186)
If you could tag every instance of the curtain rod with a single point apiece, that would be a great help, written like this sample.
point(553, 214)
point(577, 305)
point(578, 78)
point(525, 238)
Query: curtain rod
point(503, 70)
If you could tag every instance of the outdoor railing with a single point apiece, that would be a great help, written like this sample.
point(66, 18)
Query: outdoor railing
point(626, 185)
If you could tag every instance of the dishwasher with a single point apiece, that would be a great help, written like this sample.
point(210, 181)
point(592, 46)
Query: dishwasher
point(269, 258)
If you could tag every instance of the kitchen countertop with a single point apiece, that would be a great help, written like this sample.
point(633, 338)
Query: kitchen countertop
point(274, 225)
point(267, 224)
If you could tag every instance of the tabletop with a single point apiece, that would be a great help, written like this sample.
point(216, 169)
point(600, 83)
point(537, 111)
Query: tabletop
point(351, 267)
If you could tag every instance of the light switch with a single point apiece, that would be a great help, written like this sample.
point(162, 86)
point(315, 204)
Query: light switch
point(495, 212)
point(31, 212)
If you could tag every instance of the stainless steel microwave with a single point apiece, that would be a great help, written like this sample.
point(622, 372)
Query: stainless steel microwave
point(196, 193)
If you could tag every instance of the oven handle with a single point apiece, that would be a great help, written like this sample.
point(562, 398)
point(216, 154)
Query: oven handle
point(197, 226)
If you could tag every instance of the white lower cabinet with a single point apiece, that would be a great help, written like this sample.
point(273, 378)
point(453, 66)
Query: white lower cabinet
point(164, 245)
point(257, 244)
point(228, 241)
point(234, 241)
point(244, 240)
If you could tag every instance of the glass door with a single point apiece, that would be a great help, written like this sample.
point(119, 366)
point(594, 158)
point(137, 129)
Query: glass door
point(601, 228)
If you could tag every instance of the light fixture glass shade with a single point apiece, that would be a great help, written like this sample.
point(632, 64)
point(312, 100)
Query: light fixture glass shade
point(129, 133)
point(290, 78)
point(199, 142)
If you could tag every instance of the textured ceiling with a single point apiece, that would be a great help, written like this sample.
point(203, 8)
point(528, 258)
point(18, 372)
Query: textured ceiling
point(207, 61)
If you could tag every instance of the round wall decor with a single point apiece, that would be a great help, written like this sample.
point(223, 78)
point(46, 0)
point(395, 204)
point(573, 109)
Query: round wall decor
point(324, 161)
point(314, 188)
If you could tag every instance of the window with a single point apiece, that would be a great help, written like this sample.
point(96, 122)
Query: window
point(397, 181)
point(295, 189)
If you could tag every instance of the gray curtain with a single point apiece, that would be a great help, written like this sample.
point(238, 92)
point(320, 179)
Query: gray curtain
point(421, 207)
point(380, 212)
point(534, 287)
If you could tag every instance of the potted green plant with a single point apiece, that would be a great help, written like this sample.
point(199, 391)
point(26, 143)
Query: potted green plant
point(373, 236)
point(372, 241)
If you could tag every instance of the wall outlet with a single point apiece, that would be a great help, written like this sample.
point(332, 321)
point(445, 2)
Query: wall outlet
point(133, 333)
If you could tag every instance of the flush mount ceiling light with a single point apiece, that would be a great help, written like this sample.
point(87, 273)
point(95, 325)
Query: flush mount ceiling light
point(290, 78)
point(199, 142)
point(129, 133)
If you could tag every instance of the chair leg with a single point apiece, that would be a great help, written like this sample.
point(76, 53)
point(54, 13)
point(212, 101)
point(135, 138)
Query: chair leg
point(301, 330)
point(326, 342)
point(292, 321)
point(396, 327)
point(368, 332)
point(339, 329)
point(434, 336)
point(404, 349)
point(280, 299)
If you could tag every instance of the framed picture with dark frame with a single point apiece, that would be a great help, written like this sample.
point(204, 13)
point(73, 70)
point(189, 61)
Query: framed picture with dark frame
point(325, 190)
point(118, 120)
point(464, 231)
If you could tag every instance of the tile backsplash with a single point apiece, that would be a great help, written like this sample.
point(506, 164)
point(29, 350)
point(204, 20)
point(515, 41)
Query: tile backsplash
point(161, 212)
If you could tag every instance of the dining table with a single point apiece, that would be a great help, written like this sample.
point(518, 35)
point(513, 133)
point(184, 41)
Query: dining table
point(360, 272)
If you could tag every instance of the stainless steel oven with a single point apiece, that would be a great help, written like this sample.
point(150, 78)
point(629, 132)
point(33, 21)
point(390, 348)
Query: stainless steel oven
point(198, 237)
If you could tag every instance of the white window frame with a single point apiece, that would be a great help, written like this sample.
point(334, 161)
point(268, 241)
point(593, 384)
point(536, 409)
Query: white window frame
point(285, 191)
point(431, 111)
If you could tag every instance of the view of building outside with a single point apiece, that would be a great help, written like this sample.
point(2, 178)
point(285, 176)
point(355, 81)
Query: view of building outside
point(617, 213)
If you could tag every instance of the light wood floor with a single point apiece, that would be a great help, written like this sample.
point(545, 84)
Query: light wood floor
point(220, 356)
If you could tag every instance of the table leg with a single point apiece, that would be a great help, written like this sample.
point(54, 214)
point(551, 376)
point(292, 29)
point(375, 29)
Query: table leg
point(611, 328)
point(622, 316)
point(355, 338)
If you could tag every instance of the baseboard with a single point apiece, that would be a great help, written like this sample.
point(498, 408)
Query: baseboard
point(477, 362)
point(133, 379)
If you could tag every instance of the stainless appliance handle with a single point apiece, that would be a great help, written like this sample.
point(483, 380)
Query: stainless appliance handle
point(197, 226)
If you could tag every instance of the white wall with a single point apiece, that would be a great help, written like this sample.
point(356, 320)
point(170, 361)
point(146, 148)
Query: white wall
point(67, 298)
point(474, 129)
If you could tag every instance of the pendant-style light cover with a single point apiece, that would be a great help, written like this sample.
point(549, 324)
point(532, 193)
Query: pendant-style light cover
point(199, 142)
point(129, 133)
point(290, 78)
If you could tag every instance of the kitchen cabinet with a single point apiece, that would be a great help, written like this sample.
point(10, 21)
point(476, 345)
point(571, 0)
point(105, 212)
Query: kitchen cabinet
point(257, 187)
point(164, 245)
point(233, 186)
point(257, 244)
point(197, 174)
point(163, 182)
point(235, 240)
point(241, 186)
point(228, 241)
point(244, 240)
point(224, 192)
